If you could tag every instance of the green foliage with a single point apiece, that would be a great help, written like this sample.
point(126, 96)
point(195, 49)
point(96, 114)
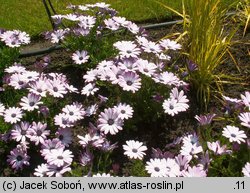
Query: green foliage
point(7, 57)
point(243, 14)
point(135, 168)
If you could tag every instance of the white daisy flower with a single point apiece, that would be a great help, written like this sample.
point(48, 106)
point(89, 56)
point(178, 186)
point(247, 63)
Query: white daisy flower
point(134, 149)
point(234, 134)
point(13, 115)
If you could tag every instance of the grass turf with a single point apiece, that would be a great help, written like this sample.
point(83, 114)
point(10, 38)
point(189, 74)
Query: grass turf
point(30, 15)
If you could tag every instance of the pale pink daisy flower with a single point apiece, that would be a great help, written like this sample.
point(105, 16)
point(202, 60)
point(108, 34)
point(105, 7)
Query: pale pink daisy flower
point(231, 100)
point(146, 67)
point(38, 132)
point(58, 35)
point(157, 167)
point(120, 20)
point(13, 115)
point(245, 119)
point(205, 119)
point(56, 88)
point(101, 175)
point(246, 99)
point(20, 131)
point(134, 149)
point(190, 139)
point(142, 40)
point(31, 102)
point(151, 47)
point(60, 157)
point(194, 172)
point(111, 24)
point(56, 171)
point(109, 121)
point(183, 161)
point(125, 111)
point(105, 65)
point(91, 110)
point(2, 109)
point(39, 87)
point(169, 44)
point(89, 89)
point(71, 88)
point(18, 81)
point(246, 170)
point(41, 170)
point(234, 134)
point(132, 27)
point(90, 75)
point(128, 64)
point(15, 38)
point(18, 158)
point(127, 49)
point(172, 168)
point(217, 148)
point(84, 140)
point(130, 81)
point(86, 22)
point(106, 74)
point(63, 121)
point(80, 57)
point(48, 145)
point(167, 78)
point(71, 17)
point(191, 150)
point(163, 56)
point(179, 96)
point(30, 75)
point(172, 107)
point(65, 136)
point(74, 112)
point(16, 68)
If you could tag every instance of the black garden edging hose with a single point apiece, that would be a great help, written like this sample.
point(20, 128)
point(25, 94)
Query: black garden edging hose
point(58, 47)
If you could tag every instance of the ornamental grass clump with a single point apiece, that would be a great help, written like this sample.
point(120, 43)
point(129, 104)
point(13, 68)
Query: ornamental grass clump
point(207, 41)
point(207, 45)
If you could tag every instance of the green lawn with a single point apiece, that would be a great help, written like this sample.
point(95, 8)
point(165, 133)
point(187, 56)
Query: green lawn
point(30, 15)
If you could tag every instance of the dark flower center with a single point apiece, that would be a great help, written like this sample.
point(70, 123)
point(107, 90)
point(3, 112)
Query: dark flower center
point(20, 82)
point(129, 82)
point(123, 111)
point(171, 107)
point(55, 89)
point(23, 132)
point(157, 169)
point(233, 135)
point(39, 90)
point(13, 115)
point(19, 158)
point(145, 70)
point(61, 137)
point(134, 150)
point(59, 157)
point(80, 58)
point(71, 113)
point(168, 169)
point(111, 121)
point(39, 133)
point(31, 104)
point(129, 51)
